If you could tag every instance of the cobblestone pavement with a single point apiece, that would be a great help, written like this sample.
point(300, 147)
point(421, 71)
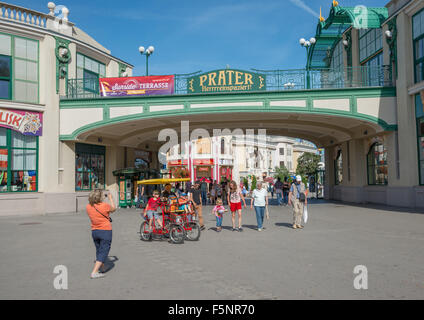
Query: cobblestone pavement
point(278, 263)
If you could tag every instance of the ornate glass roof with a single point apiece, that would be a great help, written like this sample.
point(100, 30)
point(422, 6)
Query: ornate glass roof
point(331, 30)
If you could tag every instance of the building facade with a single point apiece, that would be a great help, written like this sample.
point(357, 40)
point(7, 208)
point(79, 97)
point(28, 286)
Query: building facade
point(39, 53)
point(360, 99)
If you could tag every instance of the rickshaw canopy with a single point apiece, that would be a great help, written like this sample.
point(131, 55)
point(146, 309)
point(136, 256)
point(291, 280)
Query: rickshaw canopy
point(163, 181)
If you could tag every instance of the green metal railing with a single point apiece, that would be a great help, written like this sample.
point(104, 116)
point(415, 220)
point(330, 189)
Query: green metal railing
point(276, 80)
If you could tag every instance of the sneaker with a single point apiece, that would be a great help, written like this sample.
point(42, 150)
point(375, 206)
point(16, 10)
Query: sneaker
point(97, 275)
point(233, 229)
point(240, 229)
point(202, 228)
point(259, 229)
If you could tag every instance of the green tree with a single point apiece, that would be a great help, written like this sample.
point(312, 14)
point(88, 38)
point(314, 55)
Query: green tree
point(254, 181)
point(246, 183)
point(307, 164)
point(281, 172)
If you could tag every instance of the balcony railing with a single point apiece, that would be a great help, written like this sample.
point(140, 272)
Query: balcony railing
point(276, 80)
point(19, 14)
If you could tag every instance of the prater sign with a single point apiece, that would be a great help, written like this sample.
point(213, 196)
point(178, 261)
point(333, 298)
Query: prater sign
point(226, 80)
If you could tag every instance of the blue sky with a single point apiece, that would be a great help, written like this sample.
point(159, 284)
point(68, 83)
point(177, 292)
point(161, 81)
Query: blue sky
point(201, 35)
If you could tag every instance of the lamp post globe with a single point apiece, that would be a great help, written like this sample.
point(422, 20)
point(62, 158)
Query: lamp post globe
point(147, 53)
point(312, 40)
point(302, 41)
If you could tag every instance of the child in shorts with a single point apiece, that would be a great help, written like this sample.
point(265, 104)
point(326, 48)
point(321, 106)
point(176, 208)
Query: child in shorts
point(152, 208)
point(219, 210)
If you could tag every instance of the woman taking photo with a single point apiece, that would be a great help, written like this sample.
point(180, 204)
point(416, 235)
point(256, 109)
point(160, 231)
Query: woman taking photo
point(234, 200)
point(101, 227)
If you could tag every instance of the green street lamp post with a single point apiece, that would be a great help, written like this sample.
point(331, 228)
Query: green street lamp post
point(147, 53)
point(307, 44)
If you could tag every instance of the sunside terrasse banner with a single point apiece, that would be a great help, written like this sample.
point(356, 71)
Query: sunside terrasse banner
point(137, 86)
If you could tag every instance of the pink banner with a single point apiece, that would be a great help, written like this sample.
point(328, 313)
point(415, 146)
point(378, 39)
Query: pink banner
point(26, 122)
point(136, 86)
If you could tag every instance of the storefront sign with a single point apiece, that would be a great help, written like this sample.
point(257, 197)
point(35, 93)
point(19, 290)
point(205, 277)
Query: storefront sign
point(26, 122)
point(136, 86)
point(203, 162)
point(175, 163)
point(226, 80)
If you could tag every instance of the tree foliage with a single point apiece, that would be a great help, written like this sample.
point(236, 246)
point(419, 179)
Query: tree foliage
point(307, 164)
point(281, 172)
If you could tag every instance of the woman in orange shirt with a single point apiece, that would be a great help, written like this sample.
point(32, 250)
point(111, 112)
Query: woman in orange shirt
point(101, 227)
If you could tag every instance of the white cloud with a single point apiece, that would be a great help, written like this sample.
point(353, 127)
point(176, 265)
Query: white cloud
point(305, 7)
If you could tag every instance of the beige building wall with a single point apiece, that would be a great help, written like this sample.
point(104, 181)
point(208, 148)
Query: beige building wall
point(56, 165)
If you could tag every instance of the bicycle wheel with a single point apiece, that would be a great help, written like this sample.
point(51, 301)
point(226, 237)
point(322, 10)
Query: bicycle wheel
point(177, 234)
point(194, 233)
point(145, 233)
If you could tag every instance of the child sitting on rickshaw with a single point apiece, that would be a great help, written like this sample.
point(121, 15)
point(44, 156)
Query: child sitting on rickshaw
point(151, 210)
point(183, 201)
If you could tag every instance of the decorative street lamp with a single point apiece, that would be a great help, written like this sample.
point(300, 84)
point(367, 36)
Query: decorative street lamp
point(147, 53)
point(289, 85)
point(307, 45)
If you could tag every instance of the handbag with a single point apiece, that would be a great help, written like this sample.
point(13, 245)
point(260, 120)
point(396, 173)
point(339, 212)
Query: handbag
point(305, 214)
point(110, 219)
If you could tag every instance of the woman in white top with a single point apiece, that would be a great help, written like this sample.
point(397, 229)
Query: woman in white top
point(260, 202)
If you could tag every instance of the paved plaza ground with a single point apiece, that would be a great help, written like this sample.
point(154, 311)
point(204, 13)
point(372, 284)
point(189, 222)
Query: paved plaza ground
point(278, 263)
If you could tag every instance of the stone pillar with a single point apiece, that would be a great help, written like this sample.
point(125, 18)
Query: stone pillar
point(329, 173)
point(408, 155)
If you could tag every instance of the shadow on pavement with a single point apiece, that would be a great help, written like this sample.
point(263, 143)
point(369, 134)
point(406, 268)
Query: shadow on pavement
point(282, 224)
point(110, 263)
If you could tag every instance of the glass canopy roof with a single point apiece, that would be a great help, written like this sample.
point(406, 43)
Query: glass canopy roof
point(330, 31)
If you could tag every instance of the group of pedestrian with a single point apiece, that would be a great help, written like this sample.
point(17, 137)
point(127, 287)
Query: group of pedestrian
point(282, 190)
point(99, 211)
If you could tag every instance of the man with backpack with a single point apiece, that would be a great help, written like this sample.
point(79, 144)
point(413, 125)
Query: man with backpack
point(298, 197)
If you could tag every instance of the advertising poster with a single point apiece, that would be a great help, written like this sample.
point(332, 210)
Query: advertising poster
point(137, 86)
point(26, 122)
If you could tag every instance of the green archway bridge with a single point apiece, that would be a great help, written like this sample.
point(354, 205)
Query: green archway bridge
point(321, 105)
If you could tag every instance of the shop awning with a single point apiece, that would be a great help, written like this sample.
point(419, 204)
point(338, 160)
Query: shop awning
point(330, 31)
point(163, 181)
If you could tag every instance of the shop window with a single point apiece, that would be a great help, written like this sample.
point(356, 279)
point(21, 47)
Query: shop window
point(18, 161)
point(90, 167)
point(338, 168)
point(377, 164)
